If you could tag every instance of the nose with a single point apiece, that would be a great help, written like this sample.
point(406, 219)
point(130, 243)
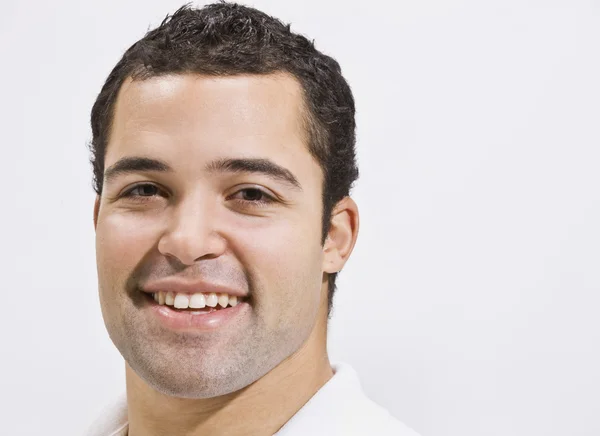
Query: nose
point(191, 234)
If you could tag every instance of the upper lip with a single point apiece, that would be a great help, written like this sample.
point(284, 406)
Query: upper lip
point(190, 287)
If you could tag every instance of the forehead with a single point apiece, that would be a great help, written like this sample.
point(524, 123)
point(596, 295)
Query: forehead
point(201, 115)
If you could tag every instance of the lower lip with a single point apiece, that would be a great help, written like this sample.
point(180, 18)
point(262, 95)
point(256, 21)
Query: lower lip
point(200, 321)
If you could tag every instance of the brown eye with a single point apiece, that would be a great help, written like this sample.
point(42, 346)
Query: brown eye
point(142, 192)
point(146, 190)
point(252, 197)
point(252, 194)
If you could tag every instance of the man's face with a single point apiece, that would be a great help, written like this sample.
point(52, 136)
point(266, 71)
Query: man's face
point(202, 221)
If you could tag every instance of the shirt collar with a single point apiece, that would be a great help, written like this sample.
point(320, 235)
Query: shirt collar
point(339, 408)
point(320, 415)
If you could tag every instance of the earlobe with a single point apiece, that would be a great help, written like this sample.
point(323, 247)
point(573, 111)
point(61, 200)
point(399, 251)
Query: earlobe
point(343, 232)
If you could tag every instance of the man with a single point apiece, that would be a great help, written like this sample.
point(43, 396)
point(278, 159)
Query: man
point(223, 156)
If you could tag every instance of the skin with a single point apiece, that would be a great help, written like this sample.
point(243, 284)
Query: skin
point(253, 375)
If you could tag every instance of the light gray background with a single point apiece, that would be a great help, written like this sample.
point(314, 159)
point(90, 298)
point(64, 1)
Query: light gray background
point(470, 306)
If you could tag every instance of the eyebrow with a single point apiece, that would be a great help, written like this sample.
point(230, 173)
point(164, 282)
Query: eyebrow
point(257, 166)
point(135, 164)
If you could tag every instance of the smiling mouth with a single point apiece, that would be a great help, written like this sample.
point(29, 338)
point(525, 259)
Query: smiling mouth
point(197, 313)
point(195, 303)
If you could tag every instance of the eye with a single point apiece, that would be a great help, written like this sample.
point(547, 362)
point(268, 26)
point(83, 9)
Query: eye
point(141, 191)
point(253, 197)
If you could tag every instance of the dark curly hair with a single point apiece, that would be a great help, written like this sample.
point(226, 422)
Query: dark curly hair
point(225, 39)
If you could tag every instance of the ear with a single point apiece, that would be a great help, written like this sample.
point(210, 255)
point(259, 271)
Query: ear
point(343, 231)
point(96, 210)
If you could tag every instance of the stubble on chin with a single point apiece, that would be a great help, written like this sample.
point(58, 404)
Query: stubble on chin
point(189, 366)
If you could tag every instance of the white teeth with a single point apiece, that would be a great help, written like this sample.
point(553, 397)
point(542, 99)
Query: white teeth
point(197, 301)
point(223, 300)
point(182, 301)
point(212, 300)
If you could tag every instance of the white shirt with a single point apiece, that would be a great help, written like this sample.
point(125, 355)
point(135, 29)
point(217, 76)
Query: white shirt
point(339, 408)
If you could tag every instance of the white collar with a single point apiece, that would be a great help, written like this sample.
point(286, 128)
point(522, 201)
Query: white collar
point(340, 407)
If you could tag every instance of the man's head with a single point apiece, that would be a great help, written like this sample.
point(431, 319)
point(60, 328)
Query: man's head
point(246, 138)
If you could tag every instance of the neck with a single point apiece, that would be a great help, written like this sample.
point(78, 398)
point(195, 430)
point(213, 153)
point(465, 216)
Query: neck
point(259, 409)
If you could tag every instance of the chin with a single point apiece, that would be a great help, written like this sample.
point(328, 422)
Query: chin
point(193, 388)
point(193, 379)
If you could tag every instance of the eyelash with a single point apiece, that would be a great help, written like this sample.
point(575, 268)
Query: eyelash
point(265, 201)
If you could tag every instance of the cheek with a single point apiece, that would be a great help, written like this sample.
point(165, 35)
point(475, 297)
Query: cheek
point(285, 261)
point(121, 242)
point(288, 243)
